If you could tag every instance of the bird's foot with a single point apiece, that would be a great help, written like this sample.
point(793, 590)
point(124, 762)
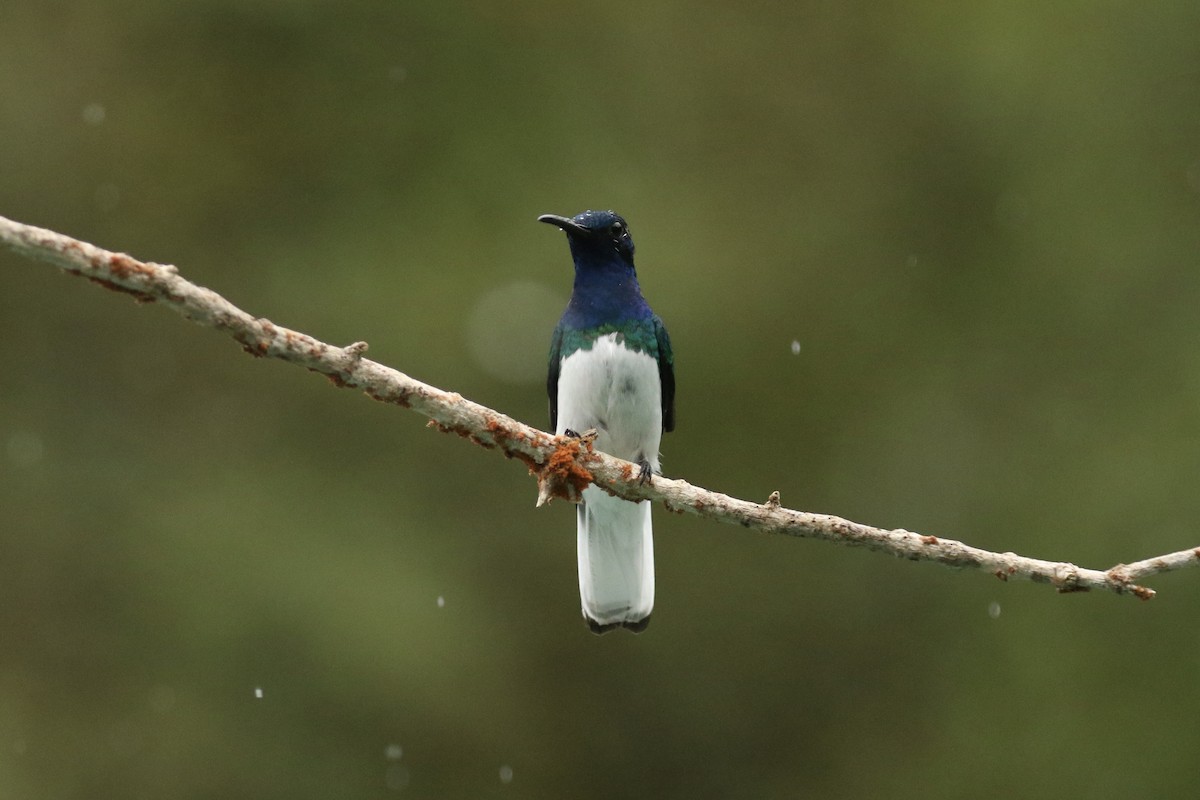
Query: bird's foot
point(645, 472)
point(587, 437)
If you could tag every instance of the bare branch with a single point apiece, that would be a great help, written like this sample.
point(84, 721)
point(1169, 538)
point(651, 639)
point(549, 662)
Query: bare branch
point(563, 466)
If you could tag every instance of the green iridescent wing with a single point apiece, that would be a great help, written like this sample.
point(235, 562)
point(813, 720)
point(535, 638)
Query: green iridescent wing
point(666, 374)
point(552, 376)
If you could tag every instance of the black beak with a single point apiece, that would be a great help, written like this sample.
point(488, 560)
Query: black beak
point(566, 223)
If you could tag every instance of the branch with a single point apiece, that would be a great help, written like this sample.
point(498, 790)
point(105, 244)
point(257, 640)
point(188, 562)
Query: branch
point(563, 466)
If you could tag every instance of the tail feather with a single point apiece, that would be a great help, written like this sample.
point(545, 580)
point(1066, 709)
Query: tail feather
point(616, 562)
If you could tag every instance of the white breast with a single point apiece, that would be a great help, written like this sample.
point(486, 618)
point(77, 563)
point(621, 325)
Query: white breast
point(616, 391)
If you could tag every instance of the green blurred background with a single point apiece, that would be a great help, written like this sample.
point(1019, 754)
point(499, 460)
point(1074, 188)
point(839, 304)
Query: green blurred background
point(979, 224)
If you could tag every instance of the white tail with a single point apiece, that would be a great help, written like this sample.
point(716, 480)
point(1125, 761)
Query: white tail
point(616, 561)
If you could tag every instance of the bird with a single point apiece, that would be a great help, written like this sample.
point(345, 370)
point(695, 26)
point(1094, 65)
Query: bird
point(612, 371)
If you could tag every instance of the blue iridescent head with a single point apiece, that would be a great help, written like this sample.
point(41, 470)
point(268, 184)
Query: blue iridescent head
point(595, 235)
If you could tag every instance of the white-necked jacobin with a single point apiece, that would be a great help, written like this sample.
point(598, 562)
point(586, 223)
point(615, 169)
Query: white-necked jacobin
point(611, 370)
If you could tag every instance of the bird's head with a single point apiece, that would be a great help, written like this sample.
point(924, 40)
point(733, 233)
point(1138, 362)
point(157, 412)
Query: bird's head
point(595, 235)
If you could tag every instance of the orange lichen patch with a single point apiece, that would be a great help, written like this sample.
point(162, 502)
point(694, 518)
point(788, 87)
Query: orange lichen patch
point(141, 297)
point(929, 540)
point(399, 398)
point(497, 432)
point(1001, 574)
point(461, 431)
point(123, 266)
point(510, 443)
point(1141, 592)
point(561, 475)
point(254, 344)
point(528, 445)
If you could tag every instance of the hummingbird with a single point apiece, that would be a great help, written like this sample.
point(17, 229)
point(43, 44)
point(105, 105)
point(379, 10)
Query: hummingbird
point(611, 371)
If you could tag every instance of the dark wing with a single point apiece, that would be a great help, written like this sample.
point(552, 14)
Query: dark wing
point(666, 374)
point(552, 377)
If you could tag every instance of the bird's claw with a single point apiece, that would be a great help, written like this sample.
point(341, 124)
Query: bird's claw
point(645, 472)
point(587, 437)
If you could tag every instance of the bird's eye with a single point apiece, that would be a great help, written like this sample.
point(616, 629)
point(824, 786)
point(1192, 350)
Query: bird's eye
point(617, 229)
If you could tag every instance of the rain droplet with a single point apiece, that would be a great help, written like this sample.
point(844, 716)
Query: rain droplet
point(994, 610)
point(506, 774)
point(93, 113)
point(258, 692)
point(795, 347)
point(441, 601)
point(393, 752)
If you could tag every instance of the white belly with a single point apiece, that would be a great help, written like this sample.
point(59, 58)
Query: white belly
point(616, 391)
